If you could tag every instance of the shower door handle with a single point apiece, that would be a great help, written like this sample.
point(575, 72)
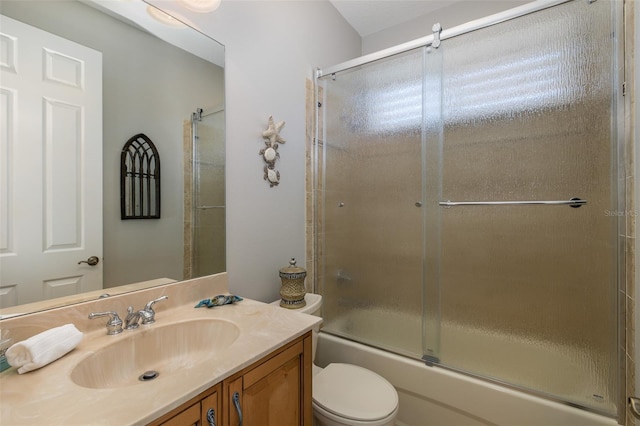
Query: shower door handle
point(573, 202)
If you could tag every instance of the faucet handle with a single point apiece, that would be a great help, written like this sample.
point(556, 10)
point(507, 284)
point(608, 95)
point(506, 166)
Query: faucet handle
point(114, 325)
point(149, 305)
point(148, 314)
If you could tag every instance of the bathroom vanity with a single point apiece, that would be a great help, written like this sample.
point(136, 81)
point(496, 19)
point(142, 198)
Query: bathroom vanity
point(214, 364)
point(273, 391)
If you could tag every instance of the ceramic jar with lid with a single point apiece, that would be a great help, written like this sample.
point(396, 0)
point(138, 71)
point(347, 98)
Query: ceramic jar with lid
point(292, 290)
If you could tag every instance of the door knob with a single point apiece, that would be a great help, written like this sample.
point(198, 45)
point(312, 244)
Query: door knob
point(92, 261)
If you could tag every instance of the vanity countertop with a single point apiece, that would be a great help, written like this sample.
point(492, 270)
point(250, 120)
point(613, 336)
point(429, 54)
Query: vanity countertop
point(49, 395)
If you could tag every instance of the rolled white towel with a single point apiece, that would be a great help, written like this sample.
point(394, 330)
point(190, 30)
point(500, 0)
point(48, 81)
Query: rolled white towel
point(43, 348)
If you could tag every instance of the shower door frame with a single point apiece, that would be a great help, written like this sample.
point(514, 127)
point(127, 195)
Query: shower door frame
point(192, 205)
point(477, 24)
point(620, 139)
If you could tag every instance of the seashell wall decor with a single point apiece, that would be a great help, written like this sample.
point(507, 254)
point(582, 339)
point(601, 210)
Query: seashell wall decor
point(270, 152)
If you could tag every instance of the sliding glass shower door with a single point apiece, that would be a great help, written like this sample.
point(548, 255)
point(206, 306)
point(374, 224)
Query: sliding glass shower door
point(528, 292)
point(373, 184)
point(468, 200)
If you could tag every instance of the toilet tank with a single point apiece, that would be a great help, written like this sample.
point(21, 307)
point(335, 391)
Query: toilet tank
point(313, 304)
point(313, 307)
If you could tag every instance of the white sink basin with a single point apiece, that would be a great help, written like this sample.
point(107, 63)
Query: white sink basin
point(164, 349)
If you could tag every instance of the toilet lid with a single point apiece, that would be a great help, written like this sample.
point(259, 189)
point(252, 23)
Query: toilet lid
point(354, 392)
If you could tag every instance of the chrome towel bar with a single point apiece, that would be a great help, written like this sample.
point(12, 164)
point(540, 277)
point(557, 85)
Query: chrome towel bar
point(209, 207)
point(574, 202)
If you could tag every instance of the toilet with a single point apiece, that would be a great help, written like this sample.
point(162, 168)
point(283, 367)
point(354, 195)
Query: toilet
point(346, 394)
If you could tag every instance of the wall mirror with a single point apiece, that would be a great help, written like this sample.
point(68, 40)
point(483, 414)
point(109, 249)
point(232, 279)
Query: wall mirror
point(115, 69)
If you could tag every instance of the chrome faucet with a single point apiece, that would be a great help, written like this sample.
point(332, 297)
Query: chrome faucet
point(132, 320)
point(114, 325)
point(148, 315)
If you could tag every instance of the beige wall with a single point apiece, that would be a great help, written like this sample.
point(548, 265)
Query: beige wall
point(271, 48)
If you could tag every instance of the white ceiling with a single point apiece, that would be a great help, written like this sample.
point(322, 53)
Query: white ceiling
point(370, 16)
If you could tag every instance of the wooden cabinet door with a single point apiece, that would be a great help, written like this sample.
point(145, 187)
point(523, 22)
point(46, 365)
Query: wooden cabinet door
point(188, 417)
point(232, 404)
point(276, 397)
point(276, 392)
point(211, 410)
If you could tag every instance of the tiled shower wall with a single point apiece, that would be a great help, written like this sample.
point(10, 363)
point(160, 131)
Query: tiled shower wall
point(187, 149)
point(310, 219)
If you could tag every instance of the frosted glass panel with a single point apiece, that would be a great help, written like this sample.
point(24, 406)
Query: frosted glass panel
point(528, 293)
point(372, 241)
point(209, 253)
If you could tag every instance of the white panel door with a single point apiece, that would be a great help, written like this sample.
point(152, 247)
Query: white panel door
point(50, 165)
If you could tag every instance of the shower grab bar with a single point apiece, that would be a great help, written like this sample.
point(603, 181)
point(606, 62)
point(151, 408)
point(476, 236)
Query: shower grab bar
point(209, 207)
point(574, 202)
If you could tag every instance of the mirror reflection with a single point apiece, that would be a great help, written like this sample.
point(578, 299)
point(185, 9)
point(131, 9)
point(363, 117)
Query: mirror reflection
point(79, 80)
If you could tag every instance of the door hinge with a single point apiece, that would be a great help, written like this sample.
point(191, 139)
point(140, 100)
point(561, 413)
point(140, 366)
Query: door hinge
point(624, 88)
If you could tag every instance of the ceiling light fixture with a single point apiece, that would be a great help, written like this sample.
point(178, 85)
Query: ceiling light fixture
point(163, 17)
point(201, 6)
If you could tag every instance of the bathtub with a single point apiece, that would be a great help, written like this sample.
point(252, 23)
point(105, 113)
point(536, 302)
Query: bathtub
point(440, 397)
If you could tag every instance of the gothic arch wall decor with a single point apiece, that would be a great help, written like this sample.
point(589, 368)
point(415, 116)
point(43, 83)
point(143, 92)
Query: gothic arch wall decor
point(139, 179)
